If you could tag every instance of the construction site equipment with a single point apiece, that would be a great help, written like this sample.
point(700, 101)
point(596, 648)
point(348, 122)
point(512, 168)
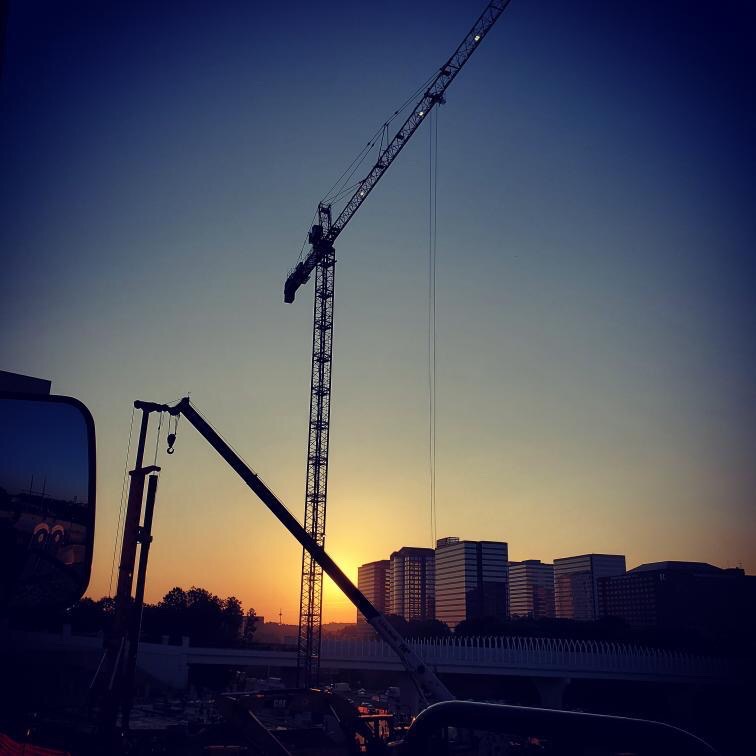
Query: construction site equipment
point(321, 259)
point(113, 682)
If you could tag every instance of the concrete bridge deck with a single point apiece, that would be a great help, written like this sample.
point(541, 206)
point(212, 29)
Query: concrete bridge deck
point(524, 657)
point(509, 656)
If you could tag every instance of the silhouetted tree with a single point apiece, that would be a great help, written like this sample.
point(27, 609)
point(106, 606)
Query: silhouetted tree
point(398, 623)
point(232, 619)
point(250, 625)
point(197, 613)
point(204, 617)
point(482, 626)
point(85, 616)
point(431, 628)
point(175, 599)
point(170, 617)
point(106, 610)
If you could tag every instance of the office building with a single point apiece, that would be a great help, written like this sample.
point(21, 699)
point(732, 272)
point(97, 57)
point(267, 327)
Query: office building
point(531, 589)
point(575, 583)
point(411, 583)
point(681, 595)
point(373, 581)
point(471, 580)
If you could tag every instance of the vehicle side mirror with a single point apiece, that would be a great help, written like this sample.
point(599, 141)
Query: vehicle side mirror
point(47, 501)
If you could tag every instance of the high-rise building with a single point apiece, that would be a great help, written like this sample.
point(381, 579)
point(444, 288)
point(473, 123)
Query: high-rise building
point(471, 580)
point(575, 583)
point(411, 584)
point(682, 595)
point(531, 589)
point(373, 581)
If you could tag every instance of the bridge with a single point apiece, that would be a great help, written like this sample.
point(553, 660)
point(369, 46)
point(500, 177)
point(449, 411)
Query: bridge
point(550, 662)
point(522, 657)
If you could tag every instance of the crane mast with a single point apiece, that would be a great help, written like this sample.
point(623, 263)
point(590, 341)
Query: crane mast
point(321, 259)
point(311, 598)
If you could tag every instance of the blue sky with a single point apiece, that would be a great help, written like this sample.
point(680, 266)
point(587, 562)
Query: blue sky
point(595, 317)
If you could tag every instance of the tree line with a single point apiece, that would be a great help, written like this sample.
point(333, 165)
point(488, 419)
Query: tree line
point(606, 629)
point(207, 619)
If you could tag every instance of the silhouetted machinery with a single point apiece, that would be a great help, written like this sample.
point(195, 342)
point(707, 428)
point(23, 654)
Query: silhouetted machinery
point(113, 681)
point(57, 434)
point(44, 561)
point(321, 259)
point(442, 718)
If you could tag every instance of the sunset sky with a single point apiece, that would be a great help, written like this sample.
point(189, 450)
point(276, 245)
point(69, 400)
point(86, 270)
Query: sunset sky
point(596, 268)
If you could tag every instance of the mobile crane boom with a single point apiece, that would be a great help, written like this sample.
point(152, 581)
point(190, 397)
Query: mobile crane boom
point(429, 686)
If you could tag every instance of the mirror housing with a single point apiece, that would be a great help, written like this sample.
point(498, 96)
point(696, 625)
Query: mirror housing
point(47, 501)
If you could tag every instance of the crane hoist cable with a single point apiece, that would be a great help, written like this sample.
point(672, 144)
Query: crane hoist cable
point(157, 437)
point(432, 246)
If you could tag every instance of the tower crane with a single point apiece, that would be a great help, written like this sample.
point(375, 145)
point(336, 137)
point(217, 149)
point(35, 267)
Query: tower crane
point(321, 259)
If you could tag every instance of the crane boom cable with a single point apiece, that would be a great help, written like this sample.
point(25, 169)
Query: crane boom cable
point(157, 438)
point(432, 246)
point(381, 133)
point(119, 534)
point(343, 193)
point(435, 243)
point(351, 169)
point(432, 96)
point(430, 333)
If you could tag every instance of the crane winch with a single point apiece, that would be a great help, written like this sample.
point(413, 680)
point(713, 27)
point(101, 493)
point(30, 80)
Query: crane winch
point(321, 259)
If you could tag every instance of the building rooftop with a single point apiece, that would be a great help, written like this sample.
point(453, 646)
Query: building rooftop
point(413, 551)
point(448, 541)
point(691, 567)
point(579, 556)
point(382, 562)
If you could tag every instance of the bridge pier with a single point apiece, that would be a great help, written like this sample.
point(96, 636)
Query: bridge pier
point(551, 691)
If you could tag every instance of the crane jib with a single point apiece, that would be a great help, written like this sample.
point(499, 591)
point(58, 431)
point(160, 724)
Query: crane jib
point(433, 95)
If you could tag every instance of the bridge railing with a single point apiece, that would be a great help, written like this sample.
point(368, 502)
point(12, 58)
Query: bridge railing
point(539, 653)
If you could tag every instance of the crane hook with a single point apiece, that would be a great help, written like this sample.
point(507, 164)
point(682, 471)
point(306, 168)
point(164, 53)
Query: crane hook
point(171, 441)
